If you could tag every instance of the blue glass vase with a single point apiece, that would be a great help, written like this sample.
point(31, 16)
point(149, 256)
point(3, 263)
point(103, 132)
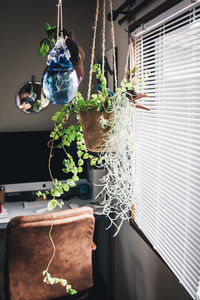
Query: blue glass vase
point(60, 82)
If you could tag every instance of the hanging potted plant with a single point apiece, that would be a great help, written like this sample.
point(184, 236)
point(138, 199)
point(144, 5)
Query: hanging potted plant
point(96, 130)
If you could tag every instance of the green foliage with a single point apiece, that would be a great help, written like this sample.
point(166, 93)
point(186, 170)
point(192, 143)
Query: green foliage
point(64, 137)
point(47, 43)
point(52, 280)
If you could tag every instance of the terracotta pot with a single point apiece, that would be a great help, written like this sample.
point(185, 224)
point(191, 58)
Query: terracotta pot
point(94, 134)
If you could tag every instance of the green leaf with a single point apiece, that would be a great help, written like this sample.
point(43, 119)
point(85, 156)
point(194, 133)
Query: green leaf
point(46, 48)
point(93, 161)
point(80, 153)
point(41, 50)
point(79, 136)
point(39, 193)
point(57, 193)
point(71, 182)
point(52, 204)
point(134, 70)
point(67, 143)
point(80, 162)
point(86, 156)
point(68, 131)
point(92, 102)
point(99, 107)
point(75, 178)
point(66, 162)
point(47, 26)
point(129, 85)
point(66, 187)
point(80, 169)
point(83, 147)
point(101, 98)
point(72, 292)
point(81, 102)
point(71, 127)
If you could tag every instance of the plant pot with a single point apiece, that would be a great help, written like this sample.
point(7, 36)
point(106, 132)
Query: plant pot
point(93, 133)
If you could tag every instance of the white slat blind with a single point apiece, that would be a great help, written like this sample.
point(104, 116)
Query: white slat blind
point(167, 207)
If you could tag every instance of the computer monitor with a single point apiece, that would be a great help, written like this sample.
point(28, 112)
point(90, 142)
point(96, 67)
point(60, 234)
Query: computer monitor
point(24, 161)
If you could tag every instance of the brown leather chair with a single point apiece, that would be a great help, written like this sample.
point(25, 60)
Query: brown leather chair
point(29, 250)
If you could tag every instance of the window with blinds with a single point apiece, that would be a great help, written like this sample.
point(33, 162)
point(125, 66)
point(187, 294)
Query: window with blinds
point(167, 188)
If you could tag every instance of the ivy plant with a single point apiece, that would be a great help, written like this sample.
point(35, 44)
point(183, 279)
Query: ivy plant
point(53, 280)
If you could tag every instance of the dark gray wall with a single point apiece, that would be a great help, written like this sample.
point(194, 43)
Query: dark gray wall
point(139, 273)
point(21, 27)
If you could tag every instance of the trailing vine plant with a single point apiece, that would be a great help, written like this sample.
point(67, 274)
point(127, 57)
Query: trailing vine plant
point(63, 136)
point(48, 279)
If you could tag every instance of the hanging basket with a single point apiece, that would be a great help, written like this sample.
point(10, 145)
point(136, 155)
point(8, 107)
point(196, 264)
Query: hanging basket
point(93, 133)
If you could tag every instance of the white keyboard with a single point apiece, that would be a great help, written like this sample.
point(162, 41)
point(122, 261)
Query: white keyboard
point(35, 204)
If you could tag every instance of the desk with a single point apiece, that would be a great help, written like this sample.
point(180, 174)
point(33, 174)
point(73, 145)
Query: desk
point(17, 209)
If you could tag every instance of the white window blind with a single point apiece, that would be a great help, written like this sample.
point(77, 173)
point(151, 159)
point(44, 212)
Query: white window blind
point(167, 207)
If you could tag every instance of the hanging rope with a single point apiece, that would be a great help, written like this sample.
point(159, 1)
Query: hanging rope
point(93, 49)
point(130, 60)
point(103, 36)
point(103, 45)
point(113, 44)
point(59, 20)
point(58, 15)
point(127, 62)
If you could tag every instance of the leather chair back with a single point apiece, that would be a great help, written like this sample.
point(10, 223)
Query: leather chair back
point(29, 250)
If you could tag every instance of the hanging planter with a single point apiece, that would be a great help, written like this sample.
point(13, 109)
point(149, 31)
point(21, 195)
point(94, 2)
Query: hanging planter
point(60, 79)
point(60, 82)
point(105, 125)
point(77, 54)
point(95, 125)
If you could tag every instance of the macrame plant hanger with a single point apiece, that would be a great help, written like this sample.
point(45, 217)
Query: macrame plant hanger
point(117, 183)
point(60, 82)
point(103, 45)
point(118, 153)
point(94, 134)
